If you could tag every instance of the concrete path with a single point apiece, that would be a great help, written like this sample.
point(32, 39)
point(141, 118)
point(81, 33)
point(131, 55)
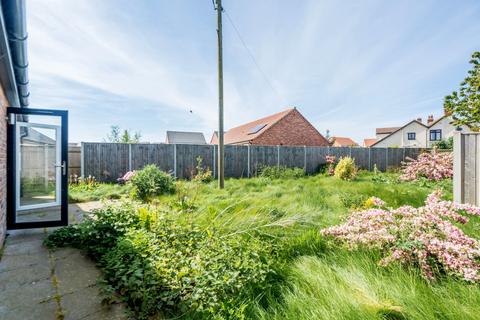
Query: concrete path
point(39, 284)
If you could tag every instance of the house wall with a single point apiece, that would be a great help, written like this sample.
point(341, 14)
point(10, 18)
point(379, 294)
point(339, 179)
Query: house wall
point(447, 129)
point(400, 138)
point(3, 166)
point(292, 130)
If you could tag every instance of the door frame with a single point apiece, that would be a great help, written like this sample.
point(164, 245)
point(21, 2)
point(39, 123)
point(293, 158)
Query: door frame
point(12, 173)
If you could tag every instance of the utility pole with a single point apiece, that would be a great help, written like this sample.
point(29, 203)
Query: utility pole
point(221, 152)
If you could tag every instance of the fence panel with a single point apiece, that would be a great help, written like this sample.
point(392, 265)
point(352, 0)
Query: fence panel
point(108, 161)
point(159, 154)
point(292, 157)
point(186, 159)
point(262, 156)
point(236, 161)
point(74, 161)
point(105, 161)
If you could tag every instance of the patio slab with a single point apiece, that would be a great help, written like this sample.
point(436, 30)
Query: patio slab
point(36, 283)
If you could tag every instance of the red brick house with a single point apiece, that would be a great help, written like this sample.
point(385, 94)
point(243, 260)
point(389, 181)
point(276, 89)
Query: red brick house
point(342, 142)
point(287, 128)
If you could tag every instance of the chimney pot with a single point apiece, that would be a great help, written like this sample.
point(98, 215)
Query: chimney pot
point(430, 119)
point(419, 119)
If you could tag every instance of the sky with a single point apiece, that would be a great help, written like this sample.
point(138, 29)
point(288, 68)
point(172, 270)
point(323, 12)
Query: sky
point(151, 65)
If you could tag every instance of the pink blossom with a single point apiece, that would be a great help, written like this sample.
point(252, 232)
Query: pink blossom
point(430, 165)
point(423, 236)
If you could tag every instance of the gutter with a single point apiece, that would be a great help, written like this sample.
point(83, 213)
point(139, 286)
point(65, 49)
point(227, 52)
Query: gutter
point(14, 16)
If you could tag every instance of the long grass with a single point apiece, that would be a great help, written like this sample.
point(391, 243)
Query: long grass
point(321, 280)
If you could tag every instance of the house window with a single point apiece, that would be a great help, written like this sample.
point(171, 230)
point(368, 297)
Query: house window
point(436, 135)
point(411, 136)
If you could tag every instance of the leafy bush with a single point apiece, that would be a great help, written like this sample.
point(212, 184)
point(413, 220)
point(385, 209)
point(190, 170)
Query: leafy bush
point(164, 266)
point(346, 169)
point(281, 172)
point(151, 181)
point(445, 144)
point(330, 160)
point(202, 174)
point(430, 165)
point(424, 237)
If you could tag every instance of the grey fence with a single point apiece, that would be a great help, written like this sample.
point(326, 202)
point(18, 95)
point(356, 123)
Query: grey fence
point(466, 168)
point(109, 161)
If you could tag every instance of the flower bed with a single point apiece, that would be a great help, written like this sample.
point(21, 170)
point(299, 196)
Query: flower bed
point(425, 237)
point(434, 166)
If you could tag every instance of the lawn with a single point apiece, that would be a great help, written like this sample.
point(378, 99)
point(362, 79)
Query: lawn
point(309, 276)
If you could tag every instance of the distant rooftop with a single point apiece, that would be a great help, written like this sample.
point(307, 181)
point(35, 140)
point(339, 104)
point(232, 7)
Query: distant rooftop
point(183, 137)
point(386, 130)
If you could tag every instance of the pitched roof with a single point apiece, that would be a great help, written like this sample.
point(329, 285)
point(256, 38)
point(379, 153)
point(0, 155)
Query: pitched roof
point(369, 142)
point(342, 142)
point(416, 121)
point(182, 137)
point(386, 130)
point(251, 130)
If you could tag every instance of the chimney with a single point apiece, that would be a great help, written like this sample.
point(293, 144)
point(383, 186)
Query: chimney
point(430, 119)
point(419, 119)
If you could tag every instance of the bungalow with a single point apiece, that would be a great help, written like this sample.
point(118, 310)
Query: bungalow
point(342, 142)
point(288, 128)
point(417, 134)
point(182, 137)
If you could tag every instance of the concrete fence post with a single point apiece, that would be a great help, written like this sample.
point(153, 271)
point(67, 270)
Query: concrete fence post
point(278, 156)
point(129, 157)
point(458, 167)
point(82, 159)
point(248, 160)
point(305, 159)
point(175, 160)
point(214, 163)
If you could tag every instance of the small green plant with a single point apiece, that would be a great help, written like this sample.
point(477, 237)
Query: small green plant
point(185, 197)
point(151, 182)
point(445, 144)
point(203, 175)
point(280, 172)
point(352, 200)
point(79, 183)
point(346, 169)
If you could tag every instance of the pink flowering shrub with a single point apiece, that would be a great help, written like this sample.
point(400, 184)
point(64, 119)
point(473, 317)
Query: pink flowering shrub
point(331, 160)
point(425, 237)
point(432, 166)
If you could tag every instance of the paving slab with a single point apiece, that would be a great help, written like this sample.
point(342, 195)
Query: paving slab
point(38, 284)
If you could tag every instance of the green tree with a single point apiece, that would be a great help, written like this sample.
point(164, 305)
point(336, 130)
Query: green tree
point(126, 137)
point(464, 105)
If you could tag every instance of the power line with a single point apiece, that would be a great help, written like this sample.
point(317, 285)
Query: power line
point(267, 80)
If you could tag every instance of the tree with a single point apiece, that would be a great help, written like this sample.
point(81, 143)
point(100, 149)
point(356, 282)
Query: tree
point(464, 105)
point(126, 137)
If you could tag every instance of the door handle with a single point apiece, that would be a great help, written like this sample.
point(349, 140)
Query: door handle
point(63, 166)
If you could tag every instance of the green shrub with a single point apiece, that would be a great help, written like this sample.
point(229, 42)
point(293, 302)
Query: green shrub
point(280, 172)
point(202, 174)
point(346, 169)
point(352, 200)
point(445, 144)
point(151, 181)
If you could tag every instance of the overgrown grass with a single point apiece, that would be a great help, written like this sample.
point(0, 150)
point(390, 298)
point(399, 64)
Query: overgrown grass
point(315, 278)
point(101, 191)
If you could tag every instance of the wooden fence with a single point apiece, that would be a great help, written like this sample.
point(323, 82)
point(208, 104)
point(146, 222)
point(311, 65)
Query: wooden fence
point(108, 161)
point(74, 160)
point(466, 168)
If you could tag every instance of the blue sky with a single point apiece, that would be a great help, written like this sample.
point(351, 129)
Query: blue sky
point(349, 66)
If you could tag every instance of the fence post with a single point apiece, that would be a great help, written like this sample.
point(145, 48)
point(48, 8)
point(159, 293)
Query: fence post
point(458, 167)
point(278, 156)
point(129, 157)
point(82, 160)
point(248, 160)
point(214, 163)
point(386, 159)
point(369, 158)
point(305, 159)
point(175, 161)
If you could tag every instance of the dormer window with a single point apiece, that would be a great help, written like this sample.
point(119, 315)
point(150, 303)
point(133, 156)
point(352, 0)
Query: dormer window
point(436, 135)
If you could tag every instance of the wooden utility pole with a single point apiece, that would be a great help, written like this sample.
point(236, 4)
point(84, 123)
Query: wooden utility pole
point(221, 152)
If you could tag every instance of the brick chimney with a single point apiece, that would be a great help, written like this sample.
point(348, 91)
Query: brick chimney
point(430, 119)
point(419, 119)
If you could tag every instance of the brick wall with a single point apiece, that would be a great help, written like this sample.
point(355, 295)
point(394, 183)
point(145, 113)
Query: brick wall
point(292, 130)
point(3, 166)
